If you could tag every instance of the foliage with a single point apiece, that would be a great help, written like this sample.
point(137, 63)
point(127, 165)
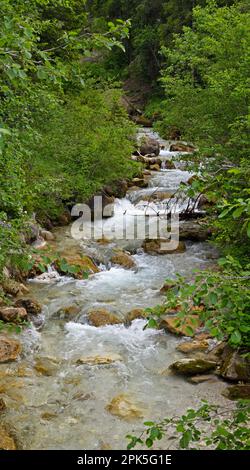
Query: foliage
point(49, 152)
point(220, 299)
point(229, 429)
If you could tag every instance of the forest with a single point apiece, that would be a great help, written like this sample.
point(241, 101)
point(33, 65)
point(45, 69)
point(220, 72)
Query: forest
point(79, 81)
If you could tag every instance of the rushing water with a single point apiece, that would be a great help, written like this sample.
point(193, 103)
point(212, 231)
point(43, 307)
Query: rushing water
point(66, 409)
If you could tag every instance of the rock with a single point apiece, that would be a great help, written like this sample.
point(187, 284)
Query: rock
point(13, 314)
point(235, 367)
point(31, 306)
point(107, 204)
point(193, 230)
point(155, 167)
point(6, 441)
point(31, 231)
point(236, 392)
point(192, 366)
point(160, 247)
point(84, 264)
point(11, 287)
point(181, 147)
point(9, 349)
point(2, 405)
point(193, 346)
point(123, 259)
point(63, 219)
point(169, 165)
point(167, 287)
point(177, 327)
point(99, 360)
point(39, 243)
point(102, 317)
point(48, 236)
point(150, 146)
point(140, 182)
point(136, 313)
point(122, 407)
point(117, 189)
point(199, 379)
point(143, 121)
point(46, 366)
point(66, 313)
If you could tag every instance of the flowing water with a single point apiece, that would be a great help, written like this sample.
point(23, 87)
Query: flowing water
point(67, 407)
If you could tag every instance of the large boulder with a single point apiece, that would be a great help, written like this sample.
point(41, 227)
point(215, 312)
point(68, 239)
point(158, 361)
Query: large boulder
point(102, 317)
point(173, 324)
point(13, 314)
point(84, 264)
point(31, 306)
point(192, 366)
point(150, 147)
point(159, 246)
point(189, 347)
point(10, 349)
point(234, 367)
point(123, 259)
point(124, 408)
point(135, 314)
point(182, 147)
point(194, 230)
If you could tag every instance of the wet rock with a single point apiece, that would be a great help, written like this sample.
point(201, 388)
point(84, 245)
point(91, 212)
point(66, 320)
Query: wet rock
point(123, 259)
point(174, 325)
point(47, 235)
point(84, 264)
point(46, 366)
point(11, 287)
point(13, 314)
point(150, 146)
point(193, 230)
point(167, 287)
point(169, 165)
point(102, 317)
point(160, 247)
point(236, 392)
point(123, 407)
point(10, 349)
point(155, 167)
point(140, 182)
point(81, 396)
point(135, 314)
point(199, 379)
point(39, 243)
point(143, 121)
point(99, 360)
point(6, 441)
point(235, 367)
point(2, 405)
point(193, 346)
point(181, 147)
point(192, 366)
point(67, 313)
point(31, 306)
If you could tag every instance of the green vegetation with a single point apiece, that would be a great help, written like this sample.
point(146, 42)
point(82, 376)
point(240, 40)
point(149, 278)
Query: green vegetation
point(228, 429)
point(63, 134)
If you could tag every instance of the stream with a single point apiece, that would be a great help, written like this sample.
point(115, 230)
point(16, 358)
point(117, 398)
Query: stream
point(67, 408)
